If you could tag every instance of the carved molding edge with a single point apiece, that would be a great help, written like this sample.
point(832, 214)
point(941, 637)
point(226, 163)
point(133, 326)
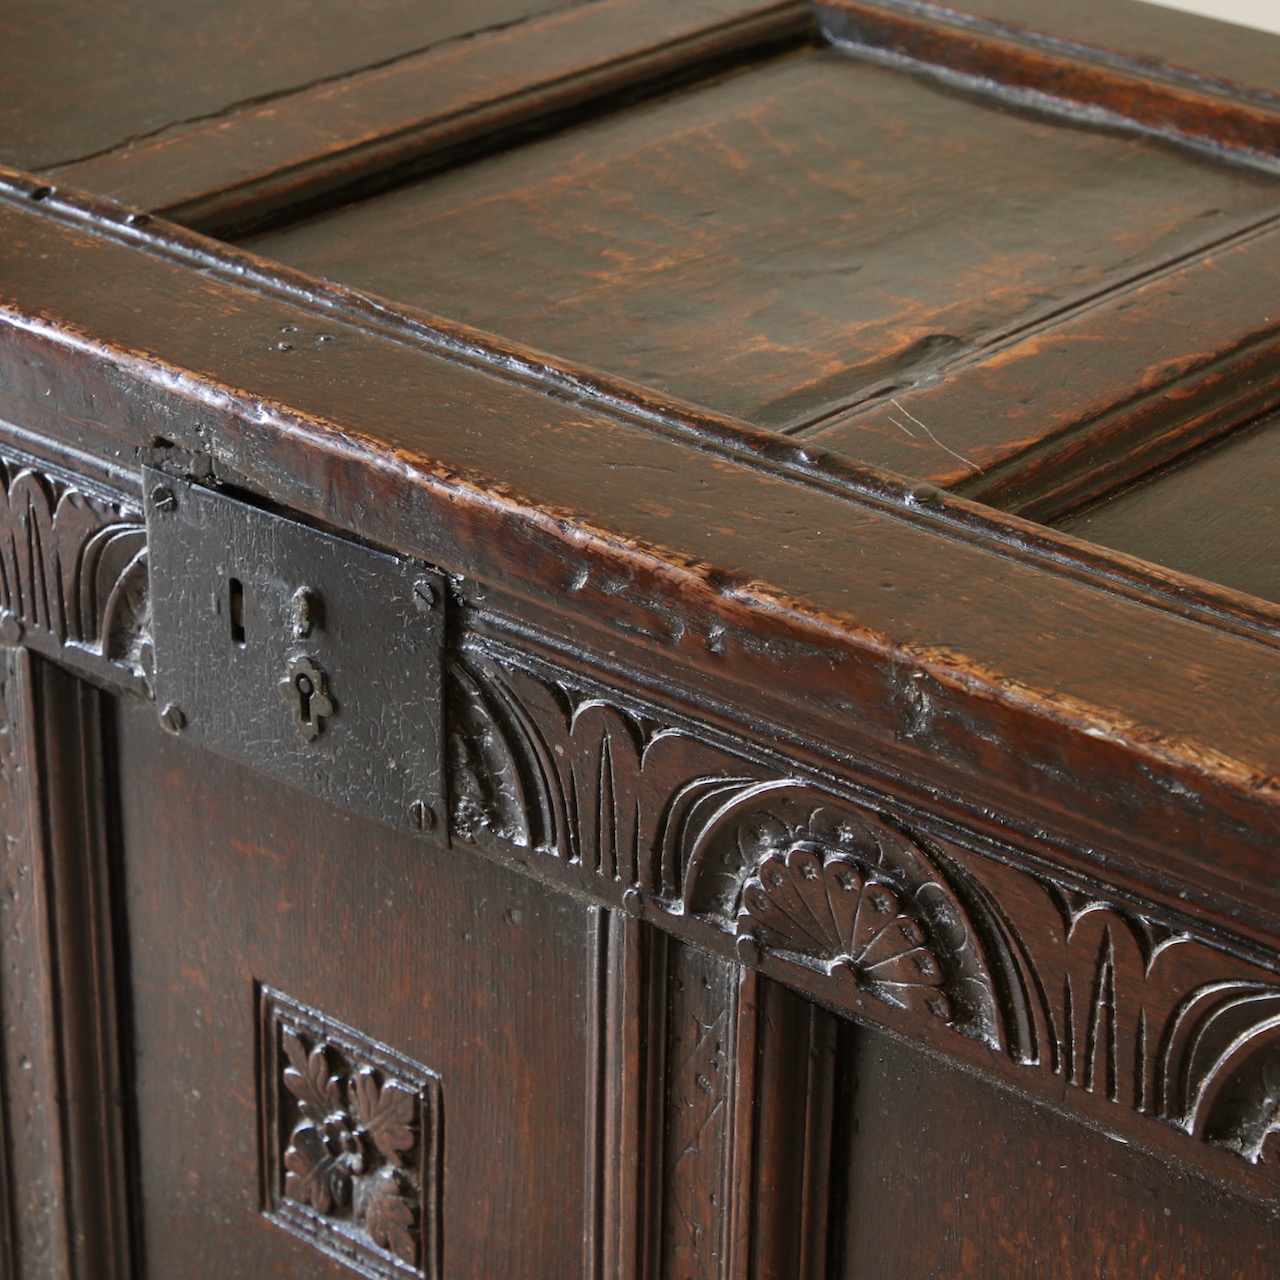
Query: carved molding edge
point(73, 575)
point(873, 911)
point(352, 1143)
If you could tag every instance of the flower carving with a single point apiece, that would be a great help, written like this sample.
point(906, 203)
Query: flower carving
point(346, 1156)
point(827, 905)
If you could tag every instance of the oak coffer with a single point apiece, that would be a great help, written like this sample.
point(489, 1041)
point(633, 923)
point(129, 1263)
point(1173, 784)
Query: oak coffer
point(639, 639)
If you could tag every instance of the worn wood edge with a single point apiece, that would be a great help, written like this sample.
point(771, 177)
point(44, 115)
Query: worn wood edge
point(1042, 71)
point(806, 462)
point(1176, 40)
point(700, 588)
point(262, 162)
point(1140, 437)
point(920, 499)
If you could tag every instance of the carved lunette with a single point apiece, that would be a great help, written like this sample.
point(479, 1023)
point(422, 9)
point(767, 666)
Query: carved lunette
point(874, 911)
point(73, 575)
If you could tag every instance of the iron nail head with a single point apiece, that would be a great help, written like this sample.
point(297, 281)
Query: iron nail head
point(173, 718)
point(424, 596)
point(422, 817)
point(163, 498)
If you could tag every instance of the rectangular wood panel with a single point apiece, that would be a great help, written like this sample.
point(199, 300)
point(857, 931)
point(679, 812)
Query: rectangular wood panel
point(946, 1176)
point(776, 244)
point(404, 954)
point(1216, 514)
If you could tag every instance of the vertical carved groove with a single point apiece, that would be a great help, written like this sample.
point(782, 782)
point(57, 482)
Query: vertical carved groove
point(62, 1088)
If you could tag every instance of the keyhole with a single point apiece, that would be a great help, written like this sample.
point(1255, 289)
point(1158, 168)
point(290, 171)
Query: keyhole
point(305, 689)
point(236, 611)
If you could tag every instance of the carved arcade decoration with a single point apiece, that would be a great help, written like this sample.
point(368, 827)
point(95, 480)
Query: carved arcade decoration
point(539, 763)
point(73, 573)
point(897, 922)
point(353, 1143)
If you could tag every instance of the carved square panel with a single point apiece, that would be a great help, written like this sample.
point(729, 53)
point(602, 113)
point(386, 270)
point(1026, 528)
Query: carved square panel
point(351, 1143)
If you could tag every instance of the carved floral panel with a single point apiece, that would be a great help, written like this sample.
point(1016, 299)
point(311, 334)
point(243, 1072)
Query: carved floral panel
point(352, 1143)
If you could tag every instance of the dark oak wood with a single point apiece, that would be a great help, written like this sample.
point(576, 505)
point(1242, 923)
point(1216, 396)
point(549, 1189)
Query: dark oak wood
point(935, 1189)
point(428, 109)
point(899, 225)
point(76, 82)
point(1101, 69)
point(36, 1235)
point(1214, 53)
point(690, 579)
point(816, 872)
point(1214, 515)
point(67, 1190)
point(1045, 417)
point(484, 985)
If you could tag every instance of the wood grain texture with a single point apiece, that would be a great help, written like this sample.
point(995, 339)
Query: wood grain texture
point(946, 1176)
point(64, 1124)
point(624, 1101)
point(1211, 51)
point(88, 953)
point(819, 225)
point(1078, 680)
point(1007, 56)
point(427, 109)
point(1163, 1033)
point(699, 1078)
point(476, 974)
point(743, 737)
point(1216, 515)
point(132, 69)
point(795, 1091)
point(36, 1226)
point(1046, 416)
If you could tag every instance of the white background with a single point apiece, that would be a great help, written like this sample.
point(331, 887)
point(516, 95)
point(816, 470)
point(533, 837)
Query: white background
point(1253, 13)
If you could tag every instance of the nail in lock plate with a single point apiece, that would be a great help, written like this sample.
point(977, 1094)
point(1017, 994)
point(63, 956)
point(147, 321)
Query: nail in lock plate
point(305, 656)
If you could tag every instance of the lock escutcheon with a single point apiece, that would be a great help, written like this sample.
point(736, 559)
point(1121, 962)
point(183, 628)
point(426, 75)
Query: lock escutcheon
point(305, 690)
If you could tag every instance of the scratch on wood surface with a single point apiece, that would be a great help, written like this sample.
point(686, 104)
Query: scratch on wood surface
point(902, 426)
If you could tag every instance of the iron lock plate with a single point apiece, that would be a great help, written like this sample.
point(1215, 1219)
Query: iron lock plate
point(310, 658)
